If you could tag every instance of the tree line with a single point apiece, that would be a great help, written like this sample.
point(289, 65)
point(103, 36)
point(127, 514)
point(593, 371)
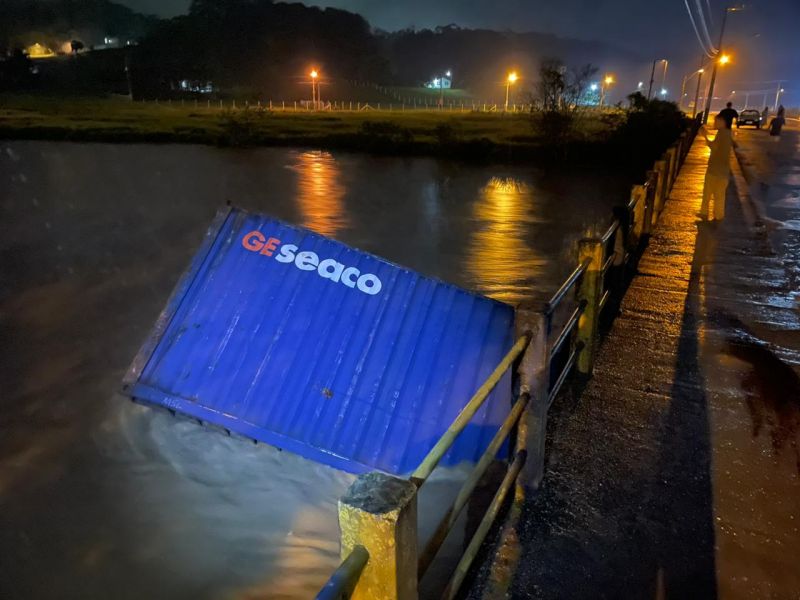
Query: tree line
point(268, 46)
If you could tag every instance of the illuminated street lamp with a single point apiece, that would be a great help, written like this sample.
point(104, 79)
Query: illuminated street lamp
point(314, 88)
point(778, 97)
point(699, 72)
point(663, 92)
point(608, 80)
point(653, 76)
point(723, 60)
point(510, 80)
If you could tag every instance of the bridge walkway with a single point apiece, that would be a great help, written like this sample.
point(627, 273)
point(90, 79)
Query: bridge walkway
point(675, 473)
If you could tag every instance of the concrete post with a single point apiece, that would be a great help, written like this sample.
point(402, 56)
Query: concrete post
point(661, 188)
point(534, 379)
point(650, 201)
point(590, 292)
point(669, 156)
point(674, 164)
point(683, 144)
point(639, 195)
point(379, 512)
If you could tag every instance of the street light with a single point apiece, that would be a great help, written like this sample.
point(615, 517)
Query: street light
point(723, 60)
point(699, 72)
point(778, 97)
point(510, 80)
point(608, 80)
point(653, 76)
point(314, 88)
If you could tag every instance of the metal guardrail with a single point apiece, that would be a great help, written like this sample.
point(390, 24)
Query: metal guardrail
point(341, 583)
point(441, 447)
point(591, 291)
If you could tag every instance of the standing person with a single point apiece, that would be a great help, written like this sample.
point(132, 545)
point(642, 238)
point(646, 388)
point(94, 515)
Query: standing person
point(719, 170)
point(765, 116)
point(728, 114)
point(778, 122)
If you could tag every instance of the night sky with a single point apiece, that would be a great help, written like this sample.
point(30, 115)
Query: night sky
point(764, 38)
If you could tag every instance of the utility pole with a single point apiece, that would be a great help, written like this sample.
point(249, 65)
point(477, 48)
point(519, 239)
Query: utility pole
point(710, 98)
point(697, 92)
point(653, 76)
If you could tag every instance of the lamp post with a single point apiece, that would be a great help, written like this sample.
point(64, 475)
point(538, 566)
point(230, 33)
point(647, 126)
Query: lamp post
point(510, 80)
point(723, 60)
point(653, 76)
point(697, 91)
point(314, 88)
point(778, 96)
point(607, 81)
point(699, 73)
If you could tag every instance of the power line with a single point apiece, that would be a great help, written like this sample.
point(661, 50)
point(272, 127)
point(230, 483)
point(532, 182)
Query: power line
point(700, 40)
point(702, 16)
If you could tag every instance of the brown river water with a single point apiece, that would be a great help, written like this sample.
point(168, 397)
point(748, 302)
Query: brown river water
point(103, 498)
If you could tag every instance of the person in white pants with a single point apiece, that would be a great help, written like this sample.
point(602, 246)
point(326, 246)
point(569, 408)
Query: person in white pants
point(719, 171)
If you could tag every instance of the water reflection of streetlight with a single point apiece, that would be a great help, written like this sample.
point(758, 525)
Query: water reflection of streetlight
point(320, 193)
point(499, 261)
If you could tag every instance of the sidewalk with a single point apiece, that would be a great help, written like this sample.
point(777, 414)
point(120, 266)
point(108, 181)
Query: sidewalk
point(676, 472)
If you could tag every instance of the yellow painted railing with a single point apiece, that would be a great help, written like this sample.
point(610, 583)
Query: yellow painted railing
point(543, 362)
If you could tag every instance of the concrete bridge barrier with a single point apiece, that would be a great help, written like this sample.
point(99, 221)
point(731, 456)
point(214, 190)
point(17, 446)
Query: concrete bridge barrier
point(555, 341)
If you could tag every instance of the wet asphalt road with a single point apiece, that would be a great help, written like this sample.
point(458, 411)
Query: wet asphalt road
point(676, 472)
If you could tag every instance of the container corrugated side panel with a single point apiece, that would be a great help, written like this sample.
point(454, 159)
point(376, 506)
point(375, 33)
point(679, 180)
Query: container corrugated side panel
point(288, 357)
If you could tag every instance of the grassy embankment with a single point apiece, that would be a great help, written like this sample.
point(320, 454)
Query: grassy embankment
point(450, 133)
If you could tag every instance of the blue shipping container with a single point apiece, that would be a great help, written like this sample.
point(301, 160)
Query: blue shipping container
point(290, 338)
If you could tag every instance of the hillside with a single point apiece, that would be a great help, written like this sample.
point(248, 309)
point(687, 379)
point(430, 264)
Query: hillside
point(54, 22)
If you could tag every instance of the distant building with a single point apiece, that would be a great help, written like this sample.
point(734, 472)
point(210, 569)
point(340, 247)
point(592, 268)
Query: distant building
point(108, 43)
point(197, 87)
point(439, 83)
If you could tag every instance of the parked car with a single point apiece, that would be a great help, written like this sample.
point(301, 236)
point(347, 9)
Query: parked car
point(749, 117)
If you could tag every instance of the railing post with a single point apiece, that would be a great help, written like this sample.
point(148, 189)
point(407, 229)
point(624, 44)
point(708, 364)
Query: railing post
point(534, 379)
point(590, 292)
point(379, 512)
point(650, 201)
point(675, 150)
point(669, 156)
point(683, 144)
point(661, 188)
point(639, 196)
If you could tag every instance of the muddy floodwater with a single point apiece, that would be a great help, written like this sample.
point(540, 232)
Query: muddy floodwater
point(102, 498)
